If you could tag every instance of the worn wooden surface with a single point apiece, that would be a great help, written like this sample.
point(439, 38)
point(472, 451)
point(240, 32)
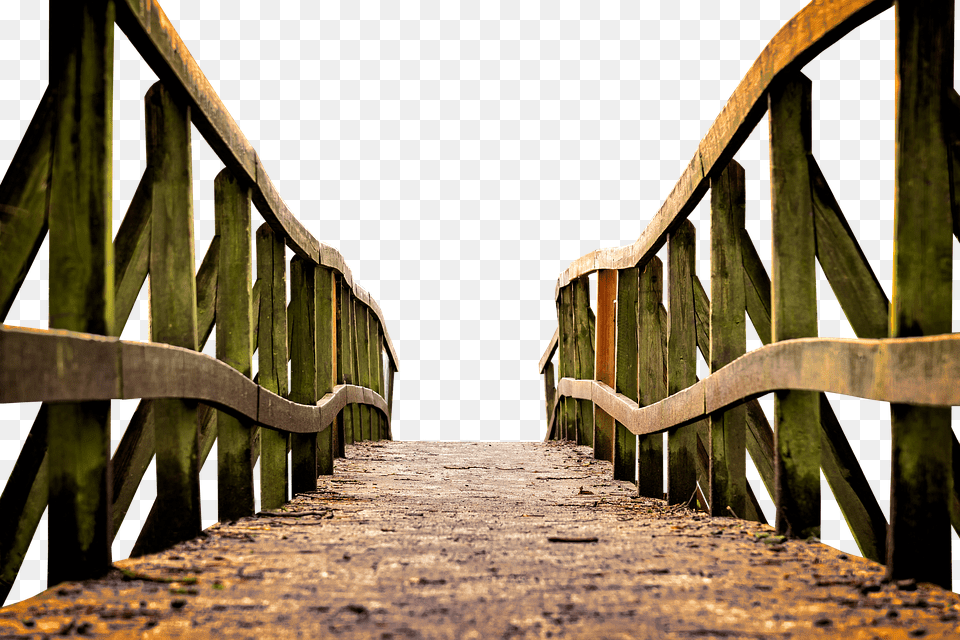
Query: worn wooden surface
point(567, 361)
point(326, 359)
point(453, 540)
point(627, 381)
point(303, 367)
point(585, 355)
point(650, 368)
point(606, 366)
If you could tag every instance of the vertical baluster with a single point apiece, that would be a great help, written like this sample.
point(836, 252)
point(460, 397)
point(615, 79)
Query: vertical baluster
point(603, 435)
point(326, 360)
point(363, 358)
point(650, 374)
point(340, 435)
point(921, 478)
point(381, 425)
point(794, 303)
point(390, 378)
point(566, 354)
point(628, 354)
point(728, 339)
point(682, 361)
point(303, 367)
point(355, 338)
point(272, 361)
point(550, 398)
point(345, 349)
point(585, 356)
point(234, 439)
point(81, 278)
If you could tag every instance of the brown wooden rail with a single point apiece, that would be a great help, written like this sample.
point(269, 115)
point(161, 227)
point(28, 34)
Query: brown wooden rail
point(331, 332)
point(643, 382)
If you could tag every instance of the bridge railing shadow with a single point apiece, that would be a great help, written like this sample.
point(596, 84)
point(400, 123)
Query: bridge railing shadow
point(627, 373)
point(331, 332)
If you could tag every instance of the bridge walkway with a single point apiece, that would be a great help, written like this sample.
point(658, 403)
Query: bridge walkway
point(488, 540)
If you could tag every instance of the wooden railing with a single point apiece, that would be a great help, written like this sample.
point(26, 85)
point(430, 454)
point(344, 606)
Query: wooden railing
point(332, 333)
point(630, 375)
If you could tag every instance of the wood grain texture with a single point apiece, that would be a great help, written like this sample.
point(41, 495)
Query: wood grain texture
point(363, 362)
point(606, 365)
point(728, 339)
point(550, 350)
point(626, 374)
point(567, 361)
point(585, 356)
point(650, 367)
point(345, 357)
point(326, 359)
point(550, 397)
point(302, 317)
point(919, 542)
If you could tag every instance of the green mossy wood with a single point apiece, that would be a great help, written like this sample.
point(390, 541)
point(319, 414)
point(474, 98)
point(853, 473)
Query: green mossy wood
point(567, 361)
point(363, 358)
point(302, 317)
point(326, 360)
point(650, 375)
point(345, 349)
point(585, 356)
point(794, 305)
point(356, 409)
point(627, 359)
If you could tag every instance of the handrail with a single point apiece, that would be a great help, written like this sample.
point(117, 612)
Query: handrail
point(152, 34)
point(805, 36)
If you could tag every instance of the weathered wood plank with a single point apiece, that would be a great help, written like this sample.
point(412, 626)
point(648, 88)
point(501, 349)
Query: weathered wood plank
point(567, 357)
point(682, 359)
point(355, 356)
point(550, 350)
point(390, 380)
point(302, 318)
point(326, 359)
point(650, 374)
point(235, 497)
point(381, 432)
point(728, 339)
point(550, 396)
point(131, 251)
point(23, 195)
point(81, 278)
point(919, 542)
point(363, 361)
point(794, 305)
point(606, 368)
point(626, 373)
point(586, 356)
point(345, 348)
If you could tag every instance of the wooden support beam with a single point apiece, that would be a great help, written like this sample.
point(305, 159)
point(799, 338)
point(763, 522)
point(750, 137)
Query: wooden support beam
point(363, 359)
point(682, 360)
point(357, 410)
point(921, 475)
point(585, 356)
point(390, 380)
point(650, 375)
point(81, 278)
point(345, 350)
point(728, 339)
point(378, 360)
point(272, 361)
point(794, 304)
point(550, 396)
point(302, 317)
point(606, 368)
point(626, 373)
point(567, 361)
point(235, 497)
point(326, 359)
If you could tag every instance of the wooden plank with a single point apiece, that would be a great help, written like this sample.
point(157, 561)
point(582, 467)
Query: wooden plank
point(326, 359)
point(585, 358)
point(302, 317)
point(235, 497)
point(626, 373)
point(363, 361)
point(131, 251)
point(568, 359)
point(756, 286)
point(728, 339)
point(380, 420)
point(682, 360)
point(81, 278)
point(920, 497)
point(345, 348)
point(550, 395)
point(393, 372)
point(794, 304)
point(650, 375)
point(606, 367)
point(355, 355)
point(272, 361)
point(550, 350)
point(23, 194)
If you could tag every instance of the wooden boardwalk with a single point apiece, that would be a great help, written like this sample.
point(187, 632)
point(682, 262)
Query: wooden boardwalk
point(488, 540)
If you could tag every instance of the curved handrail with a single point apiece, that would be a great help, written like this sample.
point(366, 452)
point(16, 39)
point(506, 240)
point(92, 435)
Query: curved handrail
point(807, 34)
point(921, 371)
point(89, 367)
point(150, 31)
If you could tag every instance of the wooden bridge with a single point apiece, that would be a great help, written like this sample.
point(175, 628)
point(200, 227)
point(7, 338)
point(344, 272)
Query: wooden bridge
point(384, 539)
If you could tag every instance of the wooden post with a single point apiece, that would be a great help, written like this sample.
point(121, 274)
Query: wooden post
point(585, 356)
point(173, 299)
point(566, 350)
point(681, 361)
point(235, 497)
point(728, 340)
point(345, 350)
point(363, 359)
point(358, 434)
point(550, 396)
point(603, 434)
point(390, 378)
point(340, 434)
point(794, 304)
point(272, 359)
point(380, 420)
point(650, 373)
point(326, 360)
point(921, 477)
point(628, 354)
point(81, 279)
point(303, 367)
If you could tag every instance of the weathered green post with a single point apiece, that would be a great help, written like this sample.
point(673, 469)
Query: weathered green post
point(650, 371)
point(326, 360)
point(303, 367)
point(628, 357)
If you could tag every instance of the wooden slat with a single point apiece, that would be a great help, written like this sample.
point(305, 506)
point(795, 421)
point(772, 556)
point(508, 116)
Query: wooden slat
point(728, 339)
point(131, 251)
point(550, 395)
point(794, 304)
point(392, 374)
point(355, 356)
point(585, 356)
point(235, 497)
point(921, 458)
point(606, 366)
point(567, 356)
point(650, 374)
point(381, 418)
point(682, 359)
point(345, 349)
point(23, 197)
point(81, 278)
point(550, 350)
point(363, 360)
point(302, 318)
point(326, 359)
point(626, 374)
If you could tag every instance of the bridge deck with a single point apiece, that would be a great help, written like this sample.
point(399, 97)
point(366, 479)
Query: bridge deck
point(448, 540)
